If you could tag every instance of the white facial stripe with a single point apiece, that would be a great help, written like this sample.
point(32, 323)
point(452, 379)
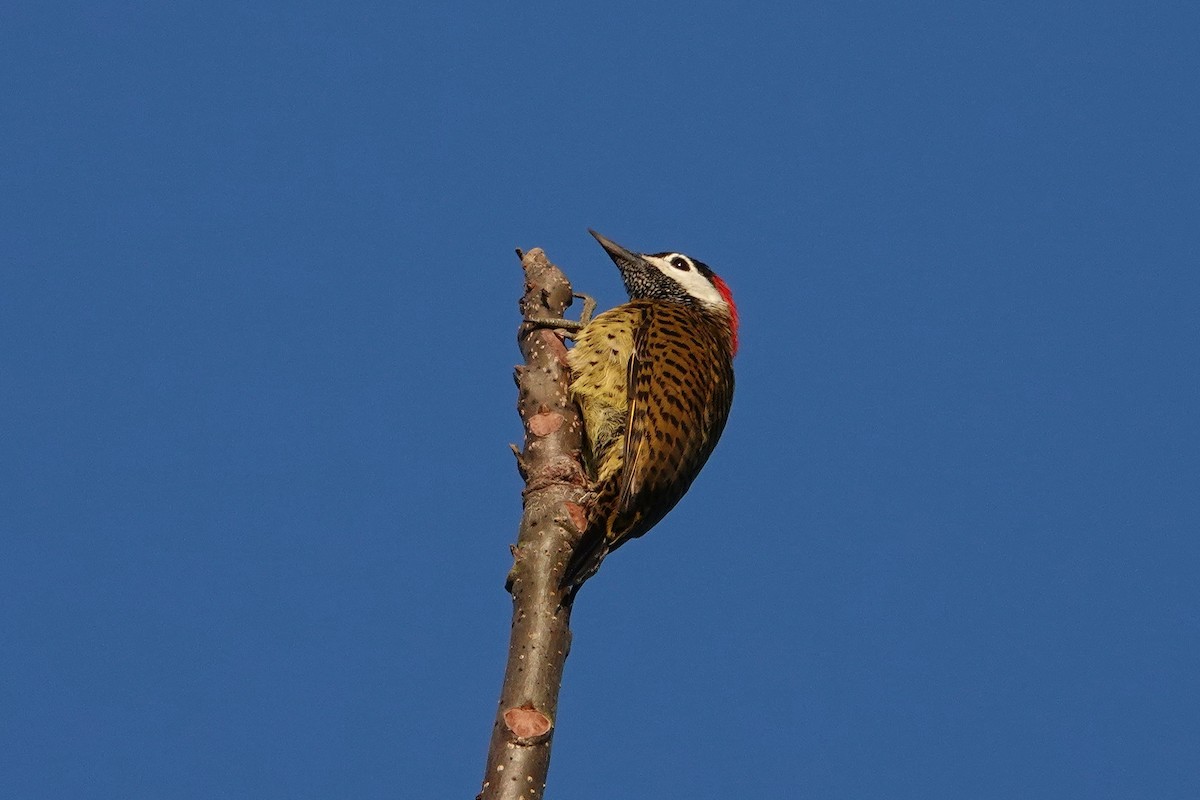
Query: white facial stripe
point(690, 279)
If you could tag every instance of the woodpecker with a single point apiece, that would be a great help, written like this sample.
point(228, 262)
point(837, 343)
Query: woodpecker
point(654, 381)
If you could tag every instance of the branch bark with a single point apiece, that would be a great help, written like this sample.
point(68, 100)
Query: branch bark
point(519, 753)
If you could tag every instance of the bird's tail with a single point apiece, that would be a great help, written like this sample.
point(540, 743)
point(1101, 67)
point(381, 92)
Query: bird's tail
point(585, 559)
point(605, 533)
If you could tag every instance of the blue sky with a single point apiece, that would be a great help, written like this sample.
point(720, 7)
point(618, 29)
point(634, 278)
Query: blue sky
point(258, 305)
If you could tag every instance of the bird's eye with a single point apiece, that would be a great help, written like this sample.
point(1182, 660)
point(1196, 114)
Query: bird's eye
point(679, 262)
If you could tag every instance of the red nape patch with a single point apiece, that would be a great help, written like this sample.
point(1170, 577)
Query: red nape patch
point(723, 288)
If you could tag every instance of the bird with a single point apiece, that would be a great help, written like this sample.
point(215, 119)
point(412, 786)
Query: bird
point(653, 379)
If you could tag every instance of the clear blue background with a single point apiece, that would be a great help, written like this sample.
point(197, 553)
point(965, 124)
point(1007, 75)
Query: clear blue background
point(257, 320)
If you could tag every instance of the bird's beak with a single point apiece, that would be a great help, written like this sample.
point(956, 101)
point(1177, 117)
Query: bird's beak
point(624, 259)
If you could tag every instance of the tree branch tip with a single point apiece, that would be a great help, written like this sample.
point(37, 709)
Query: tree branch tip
point(530, 257)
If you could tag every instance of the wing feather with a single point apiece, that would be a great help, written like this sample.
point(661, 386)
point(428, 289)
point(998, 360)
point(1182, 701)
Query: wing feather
point(679, 400)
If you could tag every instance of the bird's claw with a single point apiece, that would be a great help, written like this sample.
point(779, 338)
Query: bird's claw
point(567, 328)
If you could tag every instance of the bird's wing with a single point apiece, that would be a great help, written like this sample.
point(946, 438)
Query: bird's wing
point(680, 389)
point(640, 387)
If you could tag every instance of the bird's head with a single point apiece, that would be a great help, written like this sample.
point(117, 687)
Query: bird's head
point(675, 278)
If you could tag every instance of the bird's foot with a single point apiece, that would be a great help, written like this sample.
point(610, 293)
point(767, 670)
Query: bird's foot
point(567, 328)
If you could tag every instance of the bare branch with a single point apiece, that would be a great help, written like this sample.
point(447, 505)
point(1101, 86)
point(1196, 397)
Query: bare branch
point(519, 754)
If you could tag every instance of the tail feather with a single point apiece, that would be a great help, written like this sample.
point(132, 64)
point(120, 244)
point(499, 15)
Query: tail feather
point(605, 534)
point(585, 560)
